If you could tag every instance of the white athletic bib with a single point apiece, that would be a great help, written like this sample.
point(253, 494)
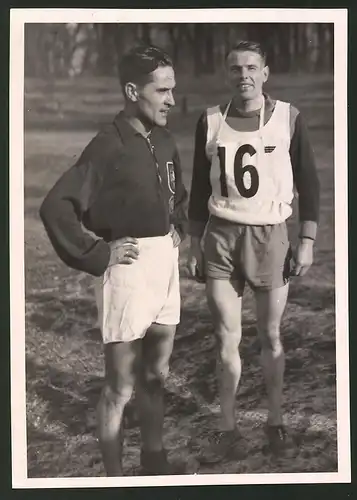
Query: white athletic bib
point(251, 173)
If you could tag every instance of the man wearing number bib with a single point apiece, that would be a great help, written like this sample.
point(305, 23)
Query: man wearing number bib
point(250, 153)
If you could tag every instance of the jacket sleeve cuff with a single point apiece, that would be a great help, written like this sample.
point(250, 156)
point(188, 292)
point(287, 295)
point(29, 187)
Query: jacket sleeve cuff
point(181, 232)
point(308, 229)
point(196, 228)
point(96, 261)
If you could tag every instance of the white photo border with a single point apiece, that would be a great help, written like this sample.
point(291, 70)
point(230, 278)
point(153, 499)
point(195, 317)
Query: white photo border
point(18, 18)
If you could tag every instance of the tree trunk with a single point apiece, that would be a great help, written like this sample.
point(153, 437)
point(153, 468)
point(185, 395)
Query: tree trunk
point(125, 36)
point(285, 48)
point(174, 32)
point(209, 49)
point(106, 48)
point(198, 34)
point(146, 33)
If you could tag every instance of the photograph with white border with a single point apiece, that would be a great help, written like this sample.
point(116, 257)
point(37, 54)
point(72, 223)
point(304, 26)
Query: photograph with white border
point(70, 112)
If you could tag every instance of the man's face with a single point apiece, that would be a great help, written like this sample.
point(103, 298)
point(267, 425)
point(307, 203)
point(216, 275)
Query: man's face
point(246, 73)
point(155, 98)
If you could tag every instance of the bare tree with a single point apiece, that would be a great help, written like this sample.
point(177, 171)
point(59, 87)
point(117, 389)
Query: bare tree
point(196, 48)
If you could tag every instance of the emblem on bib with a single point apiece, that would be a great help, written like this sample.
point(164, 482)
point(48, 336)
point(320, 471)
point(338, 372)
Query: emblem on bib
point(269, 149)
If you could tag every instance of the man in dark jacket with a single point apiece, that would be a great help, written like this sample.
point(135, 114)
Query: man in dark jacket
point(126, 189)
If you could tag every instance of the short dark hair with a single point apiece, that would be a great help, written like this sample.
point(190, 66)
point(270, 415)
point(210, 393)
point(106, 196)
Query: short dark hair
point(248, 45)
point(136, 65)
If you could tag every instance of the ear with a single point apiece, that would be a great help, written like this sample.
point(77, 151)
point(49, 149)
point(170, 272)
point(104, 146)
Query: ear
point(131, 92)
point(266, 72)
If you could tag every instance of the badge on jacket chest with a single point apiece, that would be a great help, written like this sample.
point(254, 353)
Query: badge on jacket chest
point(171, 176)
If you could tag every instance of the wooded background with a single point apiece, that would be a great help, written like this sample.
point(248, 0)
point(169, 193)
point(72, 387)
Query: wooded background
point(62, 50)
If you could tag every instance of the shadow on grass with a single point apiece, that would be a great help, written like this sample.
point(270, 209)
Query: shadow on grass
point(64, 315)
point(73, 403)
point(192, 382)
point(194, 354)
point(307, 353)
point(312, 298)
point(70, 402)
point(39, 436)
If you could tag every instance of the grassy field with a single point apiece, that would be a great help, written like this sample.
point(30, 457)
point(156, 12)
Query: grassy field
point(64, 361)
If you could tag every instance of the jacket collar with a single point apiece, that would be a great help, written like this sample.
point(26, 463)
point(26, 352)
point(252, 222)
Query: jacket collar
point(125, 129)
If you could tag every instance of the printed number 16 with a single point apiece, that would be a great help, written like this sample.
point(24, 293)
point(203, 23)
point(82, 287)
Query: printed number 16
point(239, 172)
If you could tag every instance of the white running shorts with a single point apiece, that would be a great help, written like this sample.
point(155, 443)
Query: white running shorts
point(130, 297)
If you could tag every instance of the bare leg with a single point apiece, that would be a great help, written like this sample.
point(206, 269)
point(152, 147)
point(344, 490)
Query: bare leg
point(120, 360)
point(270, 308)
point(225, 305)
point(156, 352)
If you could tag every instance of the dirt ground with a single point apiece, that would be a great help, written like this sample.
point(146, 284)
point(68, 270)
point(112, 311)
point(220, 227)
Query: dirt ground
point(64, 361)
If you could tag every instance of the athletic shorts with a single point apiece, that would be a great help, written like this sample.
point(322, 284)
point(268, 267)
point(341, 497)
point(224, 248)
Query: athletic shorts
point(257, 255)
point(130, 297)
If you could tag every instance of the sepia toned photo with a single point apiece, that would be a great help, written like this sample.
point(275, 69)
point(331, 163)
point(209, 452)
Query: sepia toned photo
point(178, 212)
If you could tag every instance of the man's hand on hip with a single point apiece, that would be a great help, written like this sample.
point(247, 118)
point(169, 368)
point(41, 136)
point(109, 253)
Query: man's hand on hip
point(124, 251)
